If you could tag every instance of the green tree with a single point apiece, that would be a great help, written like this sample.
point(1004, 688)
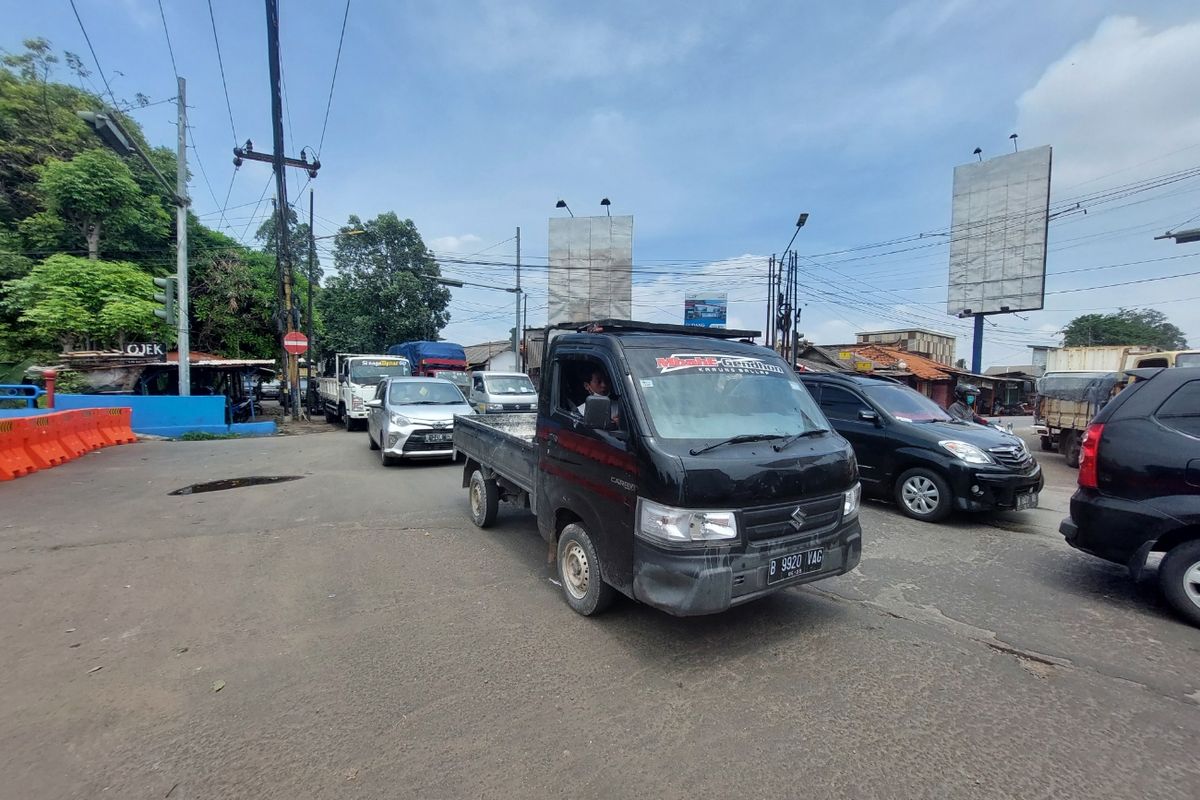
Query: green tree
point(76, 302)
point(384, 291)
point(297, 238)
point(92, 195)
point(1127, 326)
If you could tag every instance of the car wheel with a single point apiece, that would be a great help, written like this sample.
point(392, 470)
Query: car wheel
point(485, 500)
point(387, 460)
point(371, 439)
point(583, 585)
point(1047, 444)
point(923, 494)
point(1179, 576)
point(1068, 445)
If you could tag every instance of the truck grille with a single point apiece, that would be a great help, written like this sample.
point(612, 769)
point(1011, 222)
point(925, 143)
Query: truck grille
point(777, 522)
point(1013, 456)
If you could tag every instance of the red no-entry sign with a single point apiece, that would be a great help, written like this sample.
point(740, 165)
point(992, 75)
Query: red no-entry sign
point(295, 343)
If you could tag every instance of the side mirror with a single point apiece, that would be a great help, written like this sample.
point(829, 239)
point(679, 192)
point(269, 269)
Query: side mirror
point(597, 412)
point(374, 404)
point(869, 416)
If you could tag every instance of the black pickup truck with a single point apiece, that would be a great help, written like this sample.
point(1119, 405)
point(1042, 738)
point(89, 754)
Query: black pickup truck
point(701, 476)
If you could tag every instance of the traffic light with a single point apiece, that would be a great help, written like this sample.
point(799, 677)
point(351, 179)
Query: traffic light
point(167, 298)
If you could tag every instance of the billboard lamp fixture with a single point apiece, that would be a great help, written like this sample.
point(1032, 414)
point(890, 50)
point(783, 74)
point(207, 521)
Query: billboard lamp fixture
point(978, 152)
point(563, 204)
point(1013, 136)
point(606, 203)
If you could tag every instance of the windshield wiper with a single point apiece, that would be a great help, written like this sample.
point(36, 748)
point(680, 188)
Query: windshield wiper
point(739, 439)
point(781, 446)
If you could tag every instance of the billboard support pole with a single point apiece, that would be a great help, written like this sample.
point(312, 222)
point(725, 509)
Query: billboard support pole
point(769, 330)
point(977, 346)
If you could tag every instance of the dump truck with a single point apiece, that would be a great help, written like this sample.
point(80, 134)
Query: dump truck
point(350, 381)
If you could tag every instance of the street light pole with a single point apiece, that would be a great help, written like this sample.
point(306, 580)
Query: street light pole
point(517, 321)
point(312, 253)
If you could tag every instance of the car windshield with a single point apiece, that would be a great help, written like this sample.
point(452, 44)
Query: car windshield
point(454, 376)
point(1187, 360)
point(719, 395)
point(370, 373)
point(508, 384)
point(433, 393)
point(905, 404)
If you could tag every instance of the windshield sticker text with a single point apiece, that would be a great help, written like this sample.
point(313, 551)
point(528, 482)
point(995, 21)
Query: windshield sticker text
point(702, 362)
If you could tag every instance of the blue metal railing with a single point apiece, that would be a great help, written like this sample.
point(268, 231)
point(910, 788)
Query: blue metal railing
point(23, 392)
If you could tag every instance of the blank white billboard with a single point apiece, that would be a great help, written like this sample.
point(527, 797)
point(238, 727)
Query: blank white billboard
point(998, 234)
point(591, 269)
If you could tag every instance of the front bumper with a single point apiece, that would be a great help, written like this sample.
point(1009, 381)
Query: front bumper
point(708, 581)
point(417, 441)
point(977, 489)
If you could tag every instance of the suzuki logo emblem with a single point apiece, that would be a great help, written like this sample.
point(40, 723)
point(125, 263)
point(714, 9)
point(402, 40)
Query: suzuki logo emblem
point(798, 517)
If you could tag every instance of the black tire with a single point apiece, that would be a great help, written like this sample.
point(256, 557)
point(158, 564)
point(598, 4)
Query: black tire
point(384, 458)
point(1047, 444)
point(347, 421)
point(1179, 577)
point(371, 440)
point(583, 585)
point(1068, 445)
point(923, 494)
point(484, 496)
point(330, 417)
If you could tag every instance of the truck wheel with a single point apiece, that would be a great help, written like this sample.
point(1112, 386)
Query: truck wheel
point(923, 494)
point(1179, 576)
point(485, 500)
point(1068, 445)
point(579, 573)
point(1047, 444)
point(348, 421)
point(329, 415)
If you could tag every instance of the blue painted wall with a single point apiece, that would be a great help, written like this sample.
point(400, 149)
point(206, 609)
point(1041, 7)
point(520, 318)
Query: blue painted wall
point(167, 415)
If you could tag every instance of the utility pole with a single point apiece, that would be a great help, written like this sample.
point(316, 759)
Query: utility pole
point(183, 336)
point(312, 278)
point(770, 329)
point(517, 333)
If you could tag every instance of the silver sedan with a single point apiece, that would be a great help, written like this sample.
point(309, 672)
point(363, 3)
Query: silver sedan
point(414, 418)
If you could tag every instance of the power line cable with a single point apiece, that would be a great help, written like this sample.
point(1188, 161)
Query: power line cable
point(333, 81)
point(99, 68)
point(221, 64)
point(170, 50)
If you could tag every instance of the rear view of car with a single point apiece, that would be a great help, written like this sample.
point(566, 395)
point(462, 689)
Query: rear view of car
point(1139, 483)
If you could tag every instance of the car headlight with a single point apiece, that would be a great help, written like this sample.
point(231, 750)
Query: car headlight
point(679, 526)
point(400, 419)
point(851, 501)
point(966, 451)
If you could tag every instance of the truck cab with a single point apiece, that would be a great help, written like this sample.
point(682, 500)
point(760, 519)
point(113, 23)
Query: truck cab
point(706, 477)
point(351, 383)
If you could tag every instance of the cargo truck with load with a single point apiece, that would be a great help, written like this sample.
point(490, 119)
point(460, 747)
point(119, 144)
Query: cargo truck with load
point(670, 464)
point(445, 360)
point(350, 381)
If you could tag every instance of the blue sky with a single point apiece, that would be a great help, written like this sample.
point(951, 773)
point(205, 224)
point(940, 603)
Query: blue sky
point(714, 126)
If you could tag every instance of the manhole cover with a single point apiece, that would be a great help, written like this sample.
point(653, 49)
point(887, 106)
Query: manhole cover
point(235, 483)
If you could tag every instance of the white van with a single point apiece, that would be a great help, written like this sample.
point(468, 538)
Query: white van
point(502, 392)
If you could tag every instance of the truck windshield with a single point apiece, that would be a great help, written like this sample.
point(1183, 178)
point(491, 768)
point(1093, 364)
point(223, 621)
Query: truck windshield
point(905, 404)
point(508, 384)
point(1187, 360)
point(412, 393)
point(715, 396)
point(370, 373)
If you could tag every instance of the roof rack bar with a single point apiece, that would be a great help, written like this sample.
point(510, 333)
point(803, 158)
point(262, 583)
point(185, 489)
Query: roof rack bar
point(631, 326)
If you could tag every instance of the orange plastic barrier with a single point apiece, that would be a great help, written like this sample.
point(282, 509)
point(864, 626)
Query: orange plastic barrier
point(14, 460)
point(67, 425)
point(41, 441)
point(89, 428)
point(116, 426)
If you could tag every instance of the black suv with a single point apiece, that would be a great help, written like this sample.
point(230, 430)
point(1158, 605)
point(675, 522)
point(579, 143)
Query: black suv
point(1139, 483)
point(909, 448)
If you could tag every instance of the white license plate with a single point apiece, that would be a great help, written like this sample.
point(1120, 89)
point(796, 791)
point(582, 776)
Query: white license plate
point(439, 437)
point(1027, 500)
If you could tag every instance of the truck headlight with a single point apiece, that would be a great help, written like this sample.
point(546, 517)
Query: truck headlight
point(966, 451)
point(680, 526)
point(399, 419)
point(851, 501)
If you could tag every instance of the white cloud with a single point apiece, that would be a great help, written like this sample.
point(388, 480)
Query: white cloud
point(466, 243)
point(508, 35)
point(1114, 101)
point(919, 19)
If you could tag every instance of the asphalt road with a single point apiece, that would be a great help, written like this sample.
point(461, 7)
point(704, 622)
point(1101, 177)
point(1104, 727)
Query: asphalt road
point(369, 642)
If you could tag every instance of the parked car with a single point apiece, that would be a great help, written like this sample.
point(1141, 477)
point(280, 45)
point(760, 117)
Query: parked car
point(414, 418)
point(269, 390)
point(911, 450)
point(502, 392)
point(1139, 483)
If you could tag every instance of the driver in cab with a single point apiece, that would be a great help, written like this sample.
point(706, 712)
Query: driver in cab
point(596, 385)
